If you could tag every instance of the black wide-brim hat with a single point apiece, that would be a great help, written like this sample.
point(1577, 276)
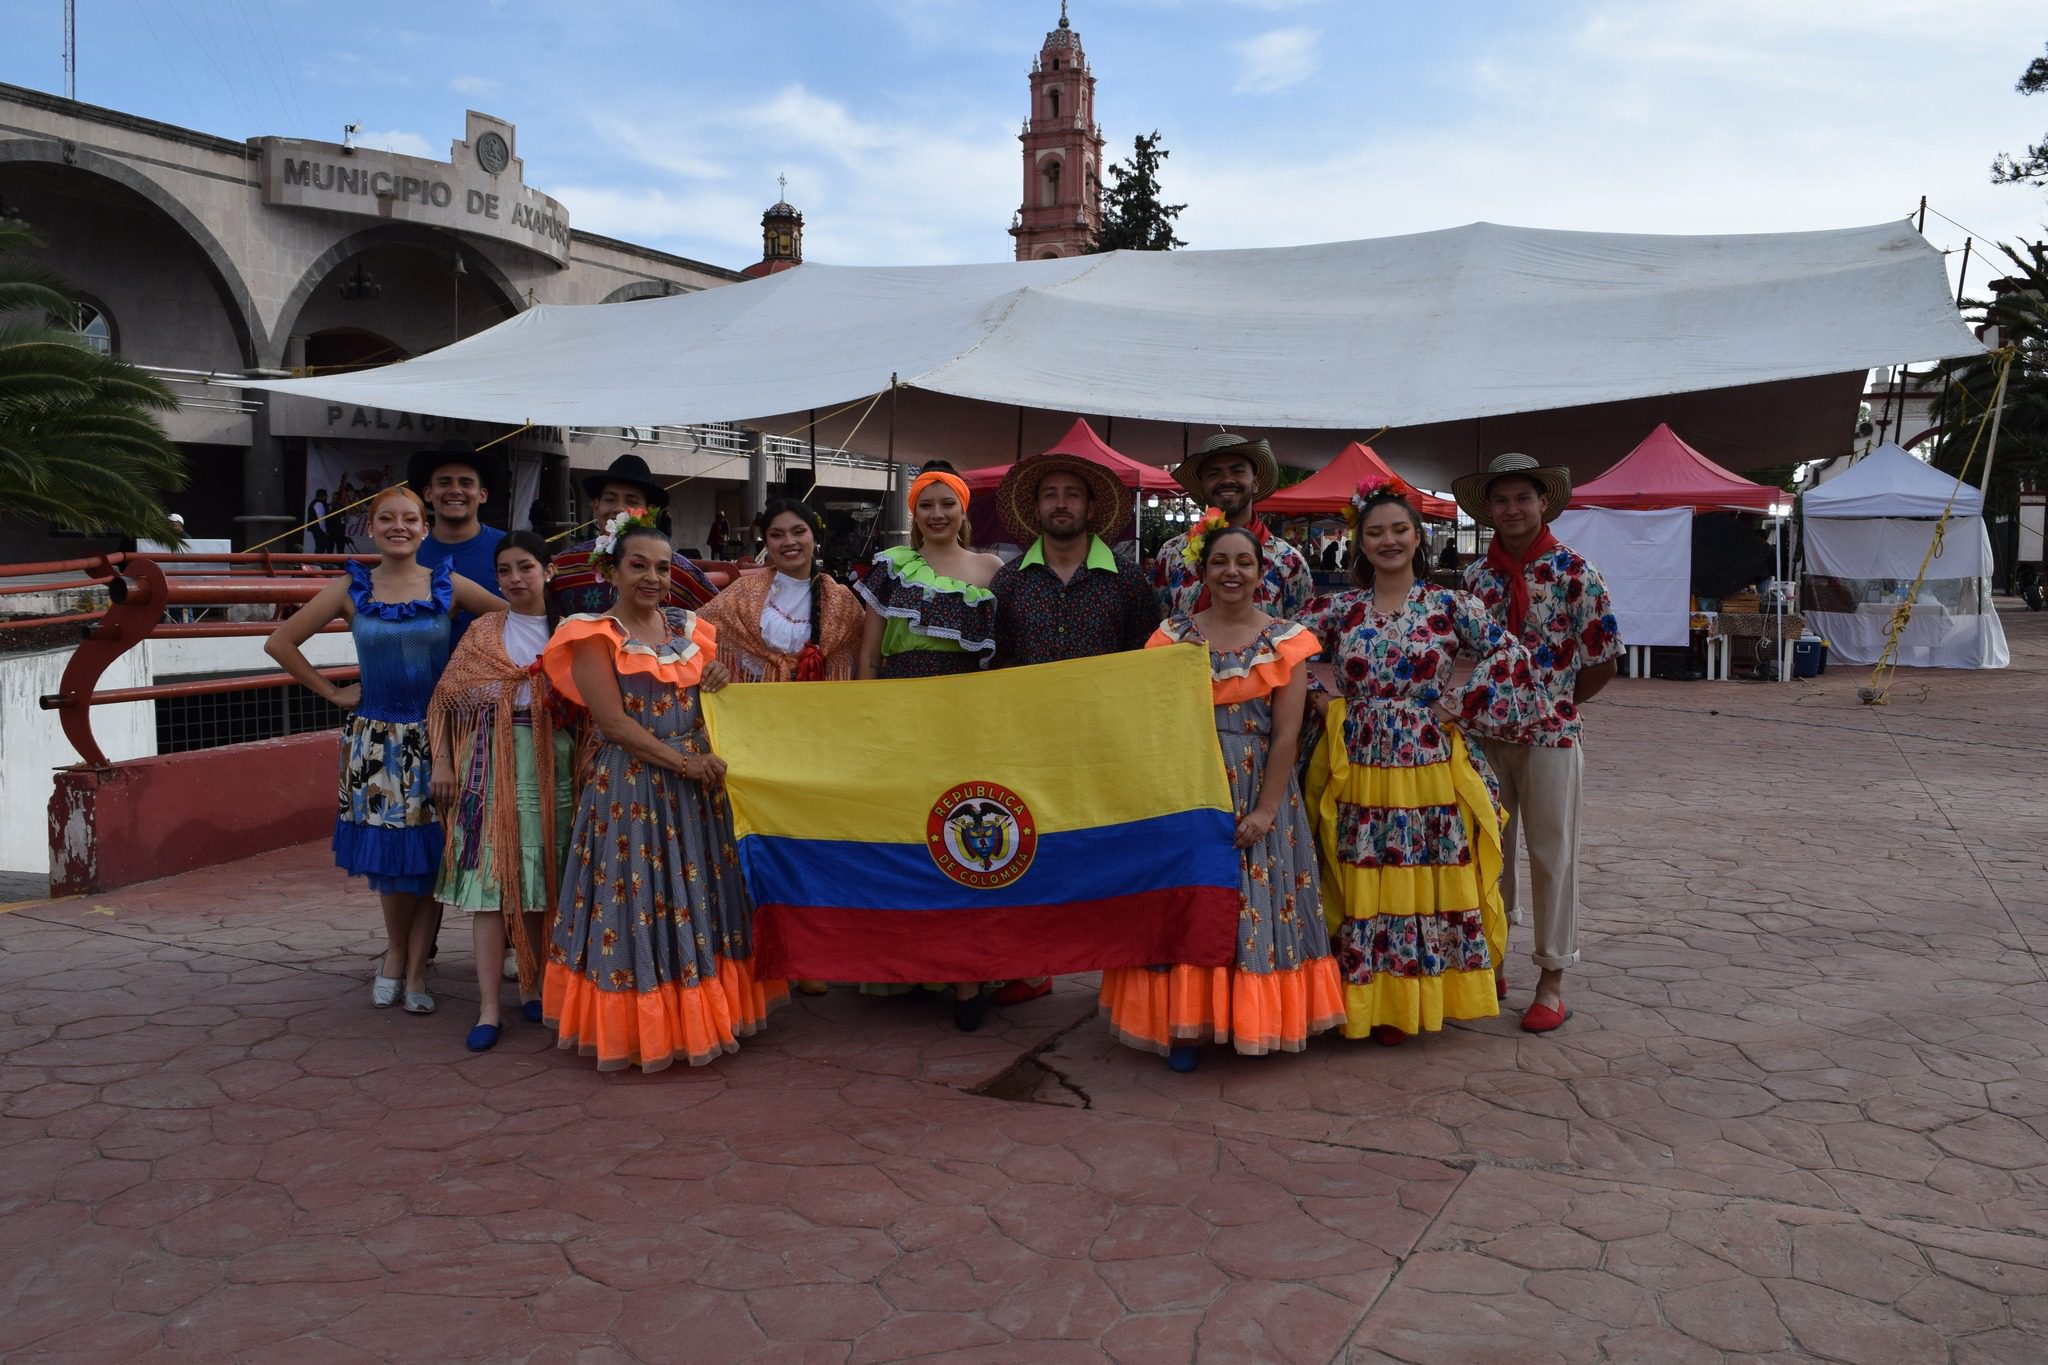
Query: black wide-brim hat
point(488, 464)
point(628, 468)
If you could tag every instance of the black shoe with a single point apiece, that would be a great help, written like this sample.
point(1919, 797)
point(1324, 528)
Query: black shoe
point(968, 1013)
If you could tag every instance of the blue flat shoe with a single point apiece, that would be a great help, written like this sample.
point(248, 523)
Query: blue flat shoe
point(1182, 1057)
point(482, 1038)
point(530, 1011)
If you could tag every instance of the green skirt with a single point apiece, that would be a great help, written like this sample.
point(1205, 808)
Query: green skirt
point(474, 889)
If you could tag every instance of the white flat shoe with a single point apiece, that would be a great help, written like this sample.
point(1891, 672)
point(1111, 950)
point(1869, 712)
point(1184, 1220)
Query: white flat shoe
point(510, 970)
point(418, 1002)
point(384, 991)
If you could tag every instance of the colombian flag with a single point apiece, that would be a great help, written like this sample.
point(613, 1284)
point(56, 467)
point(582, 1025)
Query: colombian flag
point(1026, 822)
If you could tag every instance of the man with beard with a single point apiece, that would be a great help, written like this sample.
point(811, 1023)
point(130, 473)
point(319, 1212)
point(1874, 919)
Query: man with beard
point(1555, 603)
point(626, 486)
point(1068, 596)
point(455, 482)
point(1231, 474)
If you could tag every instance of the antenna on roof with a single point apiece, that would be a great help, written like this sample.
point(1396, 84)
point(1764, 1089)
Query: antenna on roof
point(70, 49)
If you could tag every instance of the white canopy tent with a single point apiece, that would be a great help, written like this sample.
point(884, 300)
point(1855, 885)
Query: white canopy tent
point(1464, 342)
point(1866, 532)
point(1645, 558)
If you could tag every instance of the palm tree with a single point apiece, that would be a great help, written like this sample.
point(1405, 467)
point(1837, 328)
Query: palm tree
point(79, 444)
point(2018, 308)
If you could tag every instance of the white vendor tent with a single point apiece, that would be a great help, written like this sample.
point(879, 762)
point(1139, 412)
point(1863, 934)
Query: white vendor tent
point(1645, 558)
point(1464, 342)
point(1866, 532)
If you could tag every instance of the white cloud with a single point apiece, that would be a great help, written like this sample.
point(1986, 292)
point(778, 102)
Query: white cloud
point(404, 143)
point(472, 85)
point(1277, 59)
point(899, 188)
point(1695, 116)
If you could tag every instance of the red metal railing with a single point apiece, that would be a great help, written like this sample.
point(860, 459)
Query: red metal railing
point(140, 592)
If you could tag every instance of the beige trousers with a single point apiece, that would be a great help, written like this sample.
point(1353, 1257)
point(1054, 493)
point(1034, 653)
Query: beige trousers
point(1541, 789)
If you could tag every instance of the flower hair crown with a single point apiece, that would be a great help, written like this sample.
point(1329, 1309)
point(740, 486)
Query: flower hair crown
point(1197, 547)
point(607, 545)
point(1395, 487)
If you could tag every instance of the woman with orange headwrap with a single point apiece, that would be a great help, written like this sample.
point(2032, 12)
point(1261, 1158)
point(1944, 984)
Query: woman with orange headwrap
point(930, 611)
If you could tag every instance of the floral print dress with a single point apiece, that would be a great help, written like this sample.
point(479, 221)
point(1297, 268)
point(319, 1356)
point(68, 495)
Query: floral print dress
point(651, 958)
point(1407, 825)
point(1284, 985)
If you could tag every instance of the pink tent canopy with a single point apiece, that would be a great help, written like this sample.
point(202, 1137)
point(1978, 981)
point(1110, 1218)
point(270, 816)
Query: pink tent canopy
point(1329, 488)
point(1082, 442)
point(1666, 472)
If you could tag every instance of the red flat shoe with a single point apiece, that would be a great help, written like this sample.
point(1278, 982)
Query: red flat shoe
point(1018, 992)
point(1542, 1018)
point(1386, 1035)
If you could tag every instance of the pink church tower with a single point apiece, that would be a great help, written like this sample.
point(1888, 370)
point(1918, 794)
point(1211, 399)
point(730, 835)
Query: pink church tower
point(1062, 153)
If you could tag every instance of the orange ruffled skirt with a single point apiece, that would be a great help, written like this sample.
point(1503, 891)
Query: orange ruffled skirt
point(1255, 1012)
point(693, 1023)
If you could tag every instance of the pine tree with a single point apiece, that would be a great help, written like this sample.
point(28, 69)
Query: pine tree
point(1133, 219)
point(2031, 167)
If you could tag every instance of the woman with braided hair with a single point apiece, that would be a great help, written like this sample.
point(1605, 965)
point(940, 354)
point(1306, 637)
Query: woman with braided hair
point(793, 624)
point(651, 960)
point(1284, 985)
point(503, 773)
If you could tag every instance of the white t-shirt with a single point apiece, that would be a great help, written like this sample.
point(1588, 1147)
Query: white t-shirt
point(525, 638)
point(786, 619)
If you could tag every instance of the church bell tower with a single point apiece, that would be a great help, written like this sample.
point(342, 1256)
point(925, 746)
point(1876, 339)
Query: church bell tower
point(1062, 205)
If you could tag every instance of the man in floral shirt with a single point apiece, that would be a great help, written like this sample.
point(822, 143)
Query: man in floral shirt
point(1555, 602)
point(1231, 474)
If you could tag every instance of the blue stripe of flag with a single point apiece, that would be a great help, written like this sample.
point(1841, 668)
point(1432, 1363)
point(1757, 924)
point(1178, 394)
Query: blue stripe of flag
point(1188, 848)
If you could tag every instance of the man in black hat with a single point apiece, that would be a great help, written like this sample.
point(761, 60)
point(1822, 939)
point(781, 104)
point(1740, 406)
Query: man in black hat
point(455, 482)
point(626, 486)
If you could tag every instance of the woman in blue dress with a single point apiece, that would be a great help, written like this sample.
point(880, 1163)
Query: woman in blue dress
point(385, 828)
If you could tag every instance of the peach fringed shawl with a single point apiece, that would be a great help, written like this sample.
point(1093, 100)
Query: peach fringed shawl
point(470, 717)
point(737, 614)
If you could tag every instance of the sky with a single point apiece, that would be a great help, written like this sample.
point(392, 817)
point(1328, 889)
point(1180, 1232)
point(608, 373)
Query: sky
point(666, 122)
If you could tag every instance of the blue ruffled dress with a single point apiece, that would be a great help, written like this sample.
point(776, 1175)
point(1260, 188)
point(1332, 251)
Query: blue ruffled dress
point(385, 828)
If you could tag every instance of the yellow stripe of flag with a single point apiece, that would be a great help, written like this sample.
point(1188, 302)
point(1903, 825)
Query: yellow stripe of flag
point(1086, 743)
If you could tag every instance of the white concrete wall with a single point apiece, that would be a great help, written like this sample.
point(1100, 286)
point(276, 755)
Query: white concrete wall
point(32, 745)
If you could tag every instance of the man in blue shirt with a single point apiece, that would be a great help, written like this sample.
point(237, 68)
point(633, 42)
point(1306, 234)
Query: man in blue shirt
point(455, 482)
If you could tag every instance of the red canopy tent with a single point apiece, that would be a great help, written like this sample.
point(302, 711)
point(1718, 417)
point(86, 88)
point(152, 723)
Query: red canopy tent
point(1329, 488)
point(1082, 441)
point(1664, 471)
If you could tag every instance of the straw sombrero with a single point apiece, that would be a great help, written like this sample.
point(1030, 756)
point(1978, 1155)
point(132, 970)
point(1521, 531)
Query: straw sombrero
point(1554, 480)
point(1260, 453)
point(1017, 495)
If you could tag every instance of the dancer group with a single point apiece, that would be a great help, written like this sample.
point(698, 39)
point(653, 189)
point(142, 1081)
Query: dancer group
point(546, 771)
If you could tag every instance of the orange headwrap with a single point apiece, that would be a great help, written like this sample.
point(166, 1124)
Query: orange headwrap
point(932, 476)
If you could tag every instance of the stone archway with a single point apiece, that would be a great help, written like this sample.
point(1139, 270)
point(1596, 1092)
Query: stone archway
point(243, 317)
point(484, 270)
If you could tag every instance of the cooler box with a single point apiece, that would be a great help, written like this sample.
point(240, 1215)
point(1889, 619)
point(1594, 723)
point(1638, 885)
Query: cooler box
point(1806, 657)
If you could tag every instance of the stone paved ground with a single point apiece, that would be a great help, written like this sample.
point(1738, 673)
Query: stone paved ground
point(1801, 1113)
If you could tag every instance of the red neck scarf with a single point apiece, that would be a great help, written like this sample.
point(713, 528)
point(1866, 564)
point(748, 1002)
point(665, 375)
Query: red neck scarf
point(1512, 570)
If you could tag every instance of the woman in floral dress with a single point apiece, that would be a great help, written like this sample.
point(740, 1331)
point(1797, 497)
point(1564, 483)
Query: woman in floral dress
point(1284, 985)
point(1407, 825)
point(386, 829)
point(651, 961)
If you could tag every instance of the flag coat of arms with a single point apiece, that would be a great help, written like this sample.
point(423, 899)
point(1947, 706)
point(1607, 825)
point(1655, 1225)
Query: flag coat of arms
point(1025, 822)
